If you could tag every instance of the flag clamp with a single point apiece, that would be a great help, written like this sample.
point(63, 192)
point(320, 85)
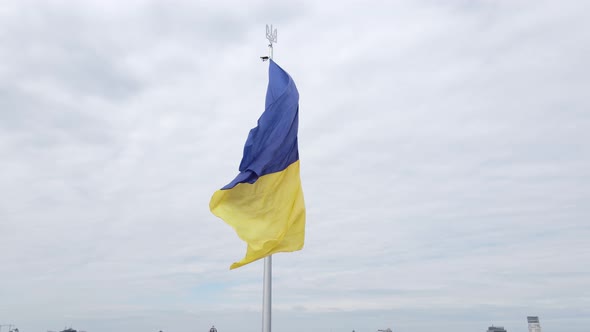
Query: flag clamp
point(271, 35)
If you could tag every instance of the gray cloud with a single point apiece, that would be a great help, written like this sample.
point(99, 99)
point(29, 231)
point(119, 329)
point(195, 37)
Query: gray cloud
point(443, 148)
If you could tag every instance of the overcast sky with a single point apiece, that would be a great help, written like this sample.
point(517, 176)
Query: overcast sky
point(444, 148)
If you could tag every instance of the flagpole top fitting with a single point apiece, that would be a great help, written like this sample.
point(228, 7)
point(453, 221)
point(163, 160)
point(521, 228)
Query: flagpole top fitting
point(271, 35)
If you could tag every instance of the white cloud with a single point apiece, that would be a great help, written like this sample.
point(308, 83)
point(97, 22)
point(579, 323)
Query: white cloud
point(443, 148)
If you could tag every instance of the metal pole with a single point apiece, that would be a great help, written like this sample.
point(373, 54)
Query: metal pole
point(267, 295)
point(271, 35)
point(270, 51)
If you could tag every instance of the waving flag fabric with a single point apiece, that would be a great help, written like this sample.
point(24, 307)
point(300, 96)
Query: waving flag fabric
point(264, 203)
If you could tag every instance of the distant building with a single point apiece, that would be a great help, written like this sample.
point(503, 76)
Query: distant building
point(534, 325)
point(213, 329)
point(496, 329)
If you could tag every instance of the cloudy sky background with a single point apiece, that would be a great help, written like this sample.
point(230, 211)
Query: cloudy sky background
point(444, 150)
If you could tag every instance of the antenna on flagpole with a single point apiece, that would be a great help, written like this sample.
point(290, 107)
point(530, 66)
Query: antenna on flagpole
point(271, 35)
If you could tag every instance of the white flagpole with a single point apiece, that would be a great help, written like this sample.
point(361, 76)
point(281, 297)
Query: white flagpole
point(267, 294)
point(271, 35)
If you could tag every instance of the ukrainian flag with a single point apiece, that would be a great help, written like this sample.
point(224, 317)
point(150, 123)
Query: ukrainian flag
point(264, 203)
